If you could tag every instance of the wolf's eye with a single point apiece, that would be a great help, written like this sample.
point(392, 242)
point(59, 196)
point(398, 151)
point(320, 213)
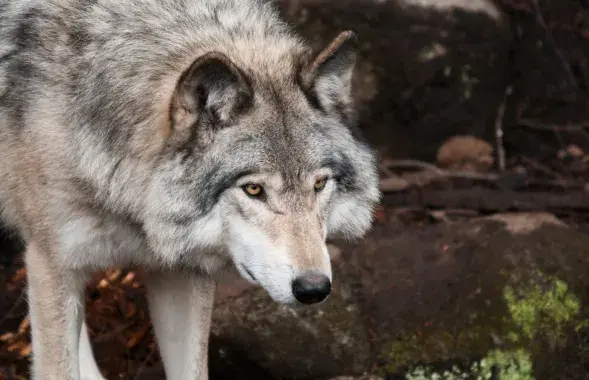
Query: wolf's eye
point(253, 190)
point(320, 184)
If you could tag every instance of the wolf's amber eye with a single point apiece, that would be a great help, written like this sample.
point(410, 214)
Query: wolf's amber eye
point(253, 190)
point(320, 184)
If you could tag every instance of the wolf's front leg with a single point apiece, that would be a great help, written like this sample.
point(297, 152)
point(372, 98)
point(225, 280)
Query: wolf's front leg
point(88, 367)
point(56, 310)
point(180, 305)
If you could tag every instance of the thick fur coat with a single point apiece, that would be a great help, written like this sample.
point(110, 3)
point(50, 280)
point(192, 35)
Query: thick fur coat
point(181, 137)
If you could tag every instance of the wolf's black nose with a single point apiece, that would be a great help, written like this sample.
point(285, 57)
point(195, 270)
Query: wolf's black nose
point(311, 288)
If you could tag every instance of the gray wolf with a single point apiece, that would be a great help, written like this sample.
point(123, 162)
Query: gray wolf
point(181, 137)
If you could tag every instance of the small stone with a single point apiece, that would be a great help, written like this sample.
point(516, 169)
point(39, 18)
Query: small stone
point(574, 151)
point(466, 153)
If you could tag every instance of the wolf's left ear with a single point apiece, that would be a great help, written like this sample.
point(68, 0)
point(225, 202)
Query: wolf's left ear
point(209, 93)
point(328, 77)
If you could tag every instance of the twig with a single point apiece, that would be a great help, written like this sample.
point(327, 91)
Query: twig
point(386, 170)
point(427, 174)
point(499, 129)
point(546, 170)
point(550, 39)
point(412, 163)
point(394, 183)
point(13, 308)
point(430, 173)
point(446, 214)
point(553, 127)
point(438, 172)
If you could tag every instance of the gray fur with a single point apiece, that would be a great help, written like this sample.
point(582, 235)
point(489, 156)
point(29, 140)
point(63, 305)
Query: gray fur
point(125, 130)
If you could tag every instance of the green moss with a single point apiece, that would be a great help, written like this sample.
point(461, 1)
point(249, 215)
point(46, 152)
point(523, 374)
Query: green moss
point(426, 373)
point(508, 365)
point(537, 307)
point(443, 343)
point(541, 305)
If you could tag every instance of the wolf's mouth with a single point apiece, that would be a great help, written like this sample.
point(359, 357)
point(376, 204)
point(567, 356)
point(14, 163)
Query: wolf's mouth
point(252, 277)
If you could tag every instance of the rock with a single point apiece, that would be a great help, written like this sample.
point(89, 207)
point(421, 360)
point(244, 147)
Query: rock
point(526, 222)
point(501, 289)
point(317, 342)
point(485, 7)
point(429, 69)
point(574, 151)
point(571, 151)
point(465, 153)
point(510, 287)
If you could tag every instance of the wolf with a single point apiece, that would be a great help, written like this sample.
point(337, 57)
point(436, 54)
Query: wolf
point(182, 138)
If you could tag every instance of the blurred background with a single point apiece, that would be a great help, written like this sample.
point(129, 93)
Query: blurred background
point(478, 263)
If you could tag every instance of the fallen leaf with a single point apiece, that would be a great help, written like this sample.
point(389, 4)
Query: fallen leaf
point(25, 351)
point(114, 275)
point(6, 337)
point(128, 278)
point(103, 284)
point(20, 275)
point(16, 346)
point(24, 324)
point(138, 335)
point(131, 310)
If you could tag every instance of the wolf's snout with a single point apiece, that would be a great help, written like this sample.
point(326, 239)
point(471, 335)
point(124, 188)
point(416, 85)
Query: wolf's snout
point(311, 288)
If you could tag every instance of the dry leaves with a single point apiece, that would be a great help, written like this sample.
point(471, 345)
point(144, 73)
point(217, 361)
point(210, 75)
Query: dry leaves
point(138, 335)
point(117, 321)
point(17, 342)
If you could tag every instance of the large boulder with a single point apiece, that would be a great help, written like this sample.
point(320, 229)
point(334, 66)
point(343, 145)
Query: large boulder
point(312, 343)
point(428, 69)
point(499, 292)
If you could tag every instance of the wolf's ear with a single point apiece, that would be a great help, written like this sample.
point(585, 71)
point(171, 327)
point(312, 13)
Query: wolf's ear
point(328, 77)
point(211, 92)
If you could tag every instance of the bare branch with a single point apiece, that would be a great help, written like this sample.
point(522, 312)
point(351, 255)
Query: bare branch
point(524, 122)
point(499, 130)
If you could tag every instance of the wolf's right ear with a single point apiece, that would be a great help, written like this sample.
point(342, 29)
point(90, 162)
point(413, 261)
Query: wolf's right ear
point(211, 92)
point(328, 76)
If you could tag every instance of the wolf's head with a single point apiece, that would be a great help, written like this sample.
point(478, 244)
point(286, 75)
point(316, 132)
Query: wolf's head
point(264, 166)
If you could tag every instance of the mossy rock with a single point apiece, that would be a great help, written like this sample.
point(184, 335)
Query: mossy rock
point(506, 293)
point(517, 288)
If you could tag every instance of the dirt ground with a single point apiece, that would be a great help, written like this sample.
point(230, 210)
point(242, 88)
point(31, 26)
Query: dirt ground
point(423, 78)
